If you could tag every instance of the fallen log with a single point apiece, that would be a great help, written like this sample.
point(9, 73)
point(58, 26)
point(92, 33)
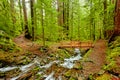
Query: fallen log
point(76, 44)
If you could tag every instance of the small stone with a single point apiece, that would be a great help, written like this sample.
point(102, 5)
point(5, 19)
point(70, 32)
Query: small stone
point(80, 78)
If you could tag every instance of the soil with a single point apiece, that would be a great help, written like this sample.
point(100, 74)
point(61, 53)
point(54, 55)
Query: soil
point(96, 59)
point(28, 45)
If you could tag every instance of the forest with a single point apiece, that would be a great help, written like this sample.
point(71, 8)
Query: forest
point(59, 39)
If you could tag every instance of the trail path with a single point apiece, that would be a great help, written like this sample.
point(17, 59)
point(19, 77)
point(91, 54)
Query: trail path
point(27, 45)
point(96, 59)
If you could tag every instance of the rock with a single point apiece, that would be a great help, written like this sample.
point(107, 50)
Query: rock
point(80, 78)
point(77, 66)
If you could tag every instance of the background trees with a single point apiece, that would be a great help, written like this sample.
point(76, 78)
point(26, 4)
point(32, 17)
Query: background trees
point(55, 20)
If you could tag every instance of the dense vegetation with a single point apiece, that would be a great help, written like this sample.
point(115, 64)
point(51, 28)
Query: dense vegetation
point(39, 24)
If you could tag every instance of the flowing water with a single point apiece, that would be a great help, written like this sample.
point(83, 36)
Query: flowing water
point(68, 63)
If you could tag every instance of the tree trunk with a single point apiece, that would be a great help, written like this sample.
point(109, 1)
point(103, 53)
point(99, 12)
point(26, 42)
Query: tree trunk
point(20, 10)
point(92, 22)
point(63, 15)
point(60, 13)
point(67, 17)
point(117, 18)
point(42, 24)
point(32, 18)
point(71, 21)
point(27, 34)
point(12, 13)
point(105, 19)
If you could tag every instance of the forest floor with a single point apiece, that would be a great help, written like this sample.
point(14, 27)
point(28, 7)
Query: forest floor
point(90, 67)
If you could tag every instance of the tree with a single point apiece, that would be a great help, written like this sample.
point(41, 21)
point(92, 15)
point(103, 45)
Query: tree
point(42, 23)
point(20, 14)
point(66, 16)
point(63, 15)
point(117, 18)
point(105, 18)
point(27, 33)
point(13, 13)
point(92, 20)
point(32, 18)
point(60, 12)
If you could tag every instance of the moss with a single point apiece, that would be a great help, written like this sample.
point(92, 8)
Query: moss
point(6, 43)
point(68, 73)
point(112, 53)
point(71, 78)
point(104, 77)
point(87, 54)
point(61, 54)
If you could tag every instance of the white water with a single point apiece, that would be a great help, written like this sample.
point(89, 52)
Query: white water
point(68, 63)
point(50, 77)
point(49, 65)
point(60, 78)
point(5, 69)
point(25, 67)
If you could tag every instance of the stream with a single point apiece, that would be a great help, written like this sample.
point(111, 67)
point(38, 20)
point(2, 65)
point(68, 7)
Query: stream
point(67, 63)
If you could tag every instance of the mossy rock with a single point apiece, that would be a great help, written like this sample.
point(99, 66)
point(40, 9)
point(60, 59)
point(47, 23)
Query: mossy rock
point(78, 66)
point(68, 73)
point(71, 74)
point(72, 78)
point(104, 77)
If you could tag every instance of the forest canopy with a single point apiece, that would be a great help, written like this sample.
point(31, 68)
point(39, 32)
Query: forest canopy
point(54, 20)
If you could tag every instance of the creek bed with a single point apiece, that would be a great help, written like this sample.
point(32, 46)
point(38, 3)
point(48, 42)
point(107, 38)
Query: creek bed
point(54, 70)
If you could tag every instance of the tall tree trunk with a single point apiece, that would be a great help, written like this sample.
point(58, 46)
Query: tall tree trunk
point(60, 12)
point(63, 15)
point(67, 17)
point(105, 19)
point(116, 31)
point(117, 18)
point(42, 24)
point(27, 34)
point(21, 18)
point(92, 21)
point(71, 21)
point(13, 13)
point(32, 18)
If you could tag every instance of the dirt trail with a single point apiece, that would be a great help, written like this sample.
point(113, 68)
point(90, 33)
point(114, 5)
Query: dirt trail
point(96, 59)
point(27, 45)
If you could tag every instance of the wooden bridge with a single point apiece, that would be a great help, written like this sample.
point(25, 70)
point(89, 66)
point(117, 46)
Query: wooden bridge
point(77, 44)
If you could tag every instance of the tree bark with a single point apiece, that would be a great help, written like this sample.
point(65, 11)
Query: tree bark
point(63, 15)
point(117, 18)
point(27, 34)
point(42, 24)
point(32, 18)
point(105, 19)
point(13, 13)
point(21, 18)
point(60, 13)
point(92, 21)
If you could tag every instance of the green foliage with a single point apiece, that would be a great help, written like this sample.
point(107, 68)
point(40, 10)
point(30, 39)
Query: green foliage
point(112, 54)
point(6, 43)
point(6, 23)
point(104, 77)
point(85, 19)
